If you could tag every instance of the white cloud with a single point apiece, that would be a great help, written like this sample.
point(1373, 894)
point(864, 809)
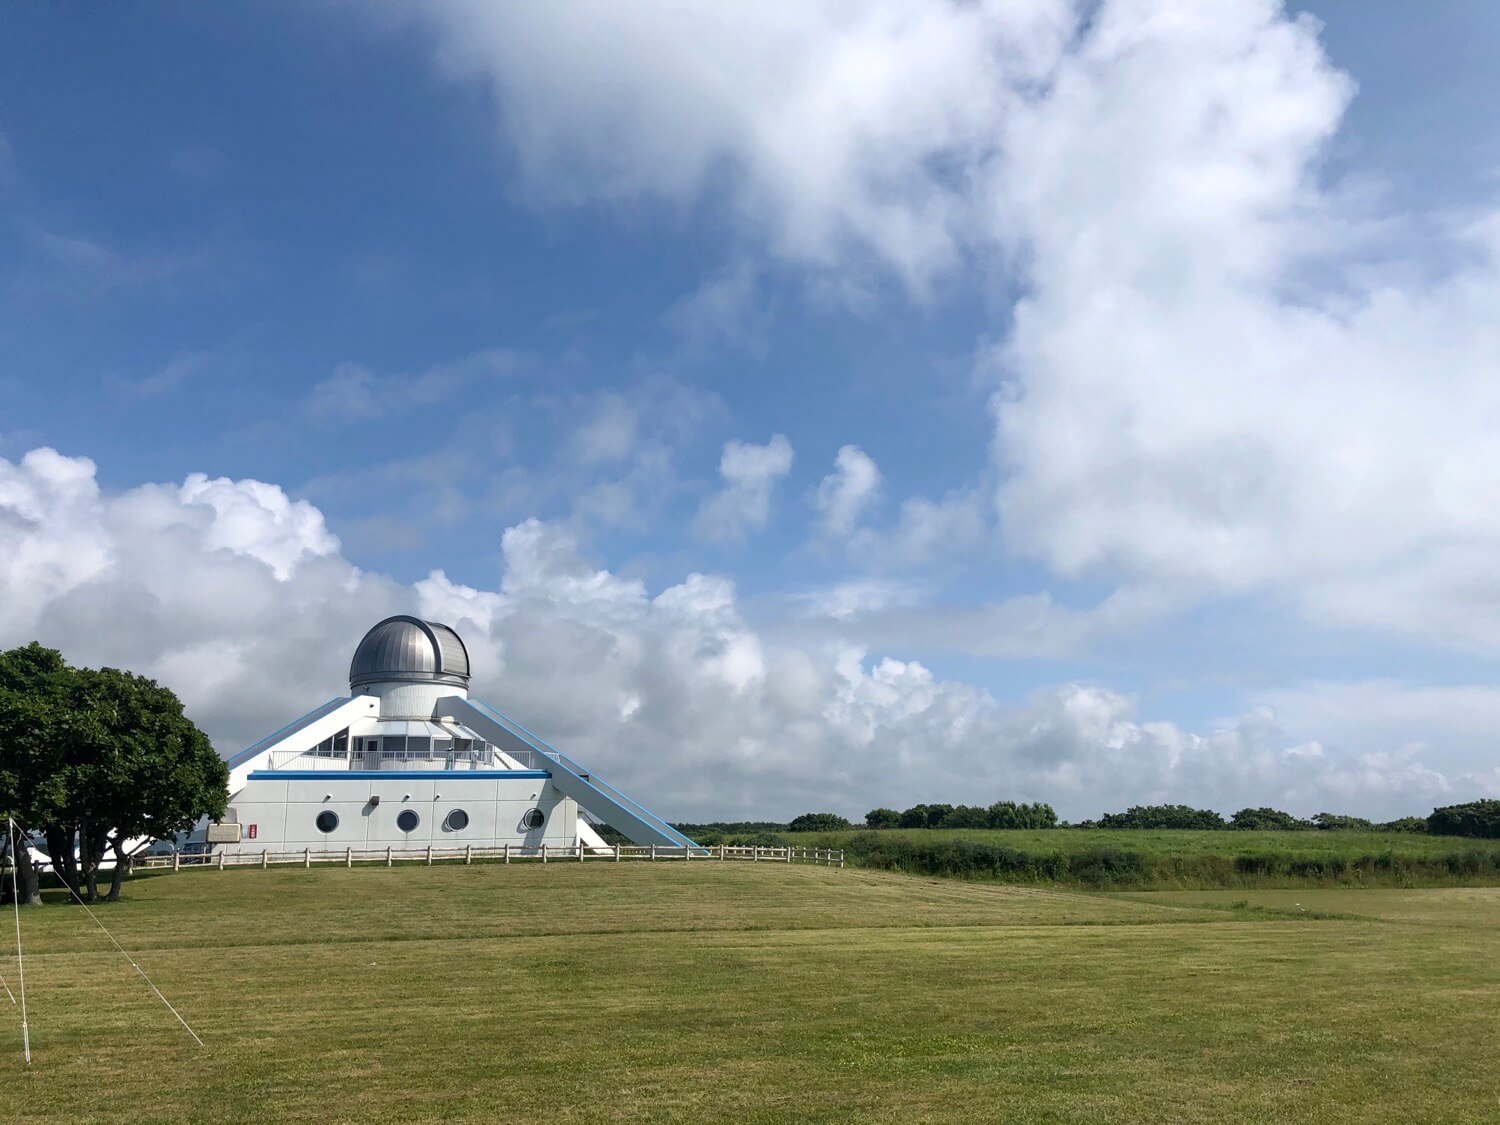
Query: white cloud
point(844, 494)
point(1211, 383)
point(609, 433)
point(843, 132)
point(1225, 370)
point(902, 616)
point(234, 595)
point(743, 504)
point(258, 520)
point(925, 532)
point(728, 307)
point(355, 393)
point(858, 598)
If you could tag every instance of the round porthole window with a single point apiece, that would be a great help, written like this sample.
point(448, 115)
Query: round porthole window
point(407, 820)
point(456, 821)
point(327, 820)
point(534, 818)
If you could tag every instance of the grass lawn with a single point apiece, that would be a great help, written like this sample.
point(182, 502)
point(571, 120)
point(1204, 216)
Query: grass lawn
point(744, 992)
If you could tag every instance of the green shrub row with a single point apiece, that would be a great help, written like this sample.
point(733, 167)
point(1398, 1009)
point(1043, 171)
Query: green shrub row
point(1120, 868)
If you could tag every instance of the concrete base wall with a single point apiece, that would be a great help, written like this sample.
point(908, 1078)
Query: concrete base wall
point(281, 815)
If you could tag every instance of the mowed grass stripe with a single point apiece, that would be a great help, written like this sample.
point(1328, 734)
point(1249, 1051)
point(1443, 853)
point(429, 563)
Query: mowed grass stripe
point(893, 1018)
point(324, 906)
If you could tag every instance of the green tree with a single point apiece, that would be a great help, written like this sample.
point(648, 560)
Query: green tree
point(1009, 814)
point(1477, 818)
point(936, 814)
point(1333, 822)
point(33, 783)
point(882, 818)
point(818, 822)
point(1264, 819)
point(914, 817)
point(1162, 816)
point(965, 816)
point(1404, 824)
point(109, 756)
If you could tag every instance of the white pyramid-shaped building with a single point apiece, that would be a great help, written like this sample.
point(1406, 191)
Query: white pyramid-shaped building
point(408, 761)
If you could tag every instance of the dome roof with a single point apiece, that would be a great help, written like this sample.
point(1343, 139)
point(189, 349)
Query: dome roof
point(410, 649)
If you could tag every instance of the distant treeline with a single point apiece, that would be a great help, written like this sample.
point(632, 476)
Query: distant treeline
point(1478, 819)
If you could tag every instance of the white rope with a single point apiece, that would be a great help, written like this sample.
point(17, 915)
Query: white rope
point(15, 893)
point(9, 859)
point(129, 958)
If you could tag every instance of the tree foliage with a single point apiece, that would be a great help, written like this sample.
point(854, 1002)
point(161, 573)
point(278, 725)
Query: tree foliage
point(91, 758)
point(1163, 816)
point(1266, 819)
point(1404, 824)
point(882, 818)
point(818, 822)
point(1477, 818)
point(1333, 822)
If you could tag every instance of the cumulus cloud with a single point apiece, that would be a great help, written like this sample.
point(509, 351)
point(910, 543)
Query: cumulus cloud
point(1211, 380)
point(844, 494)
point(843, 132)
point(1225, 370)
point(743, 504)
point(235, 595)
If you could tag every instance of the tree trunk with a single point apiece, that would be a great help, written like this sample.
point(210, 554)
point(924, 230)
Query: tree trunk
point(122, 862)
point(60, 847)
point(26, 876)
point(91, 843)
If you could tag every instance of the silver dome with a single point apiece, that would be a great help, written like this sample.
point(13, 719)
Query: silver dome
point(412, 650)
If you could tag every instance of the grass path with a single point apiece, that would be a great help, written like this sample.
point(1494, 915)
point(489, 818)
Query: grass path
point(755, 993)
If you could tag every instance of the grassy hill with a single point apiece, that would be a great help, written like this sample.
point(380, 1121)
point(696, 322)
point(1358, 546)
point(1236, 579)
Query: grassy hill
point(708, 992)
point(1175, 858)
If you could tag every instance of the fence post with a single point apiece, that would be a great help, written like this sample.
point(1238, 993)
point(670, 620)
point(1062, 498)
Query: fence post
point(387, 855)
point(544, 853)
point(841, 859)
point(429, 855)
point(580, 851)
point(265, 859)
point(617, 853)
point(653, 853)
point(687, 853)
point(221, 861)
point(507, 853)
point(176, 861)
point(721, 853)
point(468, 855)
point(349, 857)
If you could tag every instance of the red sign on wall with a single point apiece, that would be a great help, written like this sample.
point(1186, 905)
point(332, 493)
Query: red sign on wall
point(250, 830)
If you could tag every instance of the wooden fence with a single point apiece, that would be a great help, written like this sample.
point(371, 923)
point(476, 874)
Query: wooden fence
point(506, 853)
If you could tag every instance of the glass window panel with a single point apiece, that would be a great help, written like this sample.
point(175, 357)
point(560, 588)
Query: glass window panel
point(419, 745)
point(395, 743)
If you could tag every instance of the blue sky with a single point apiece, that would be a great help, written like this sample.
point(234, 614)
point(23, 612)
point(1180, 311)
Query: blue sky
point(435, 272)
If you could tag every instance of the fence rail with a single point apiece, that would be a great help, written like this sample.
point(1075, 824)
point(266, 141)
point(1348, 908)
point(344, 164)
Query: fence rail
point(505, 853)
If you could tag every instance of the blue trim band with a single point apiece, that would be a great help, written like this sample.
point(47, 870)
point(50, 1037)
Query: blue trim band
point(396, 775)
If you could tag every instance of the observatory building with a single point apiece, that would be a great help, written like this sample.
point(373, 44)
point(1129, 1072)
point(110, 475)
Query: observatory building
point(408, 761)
